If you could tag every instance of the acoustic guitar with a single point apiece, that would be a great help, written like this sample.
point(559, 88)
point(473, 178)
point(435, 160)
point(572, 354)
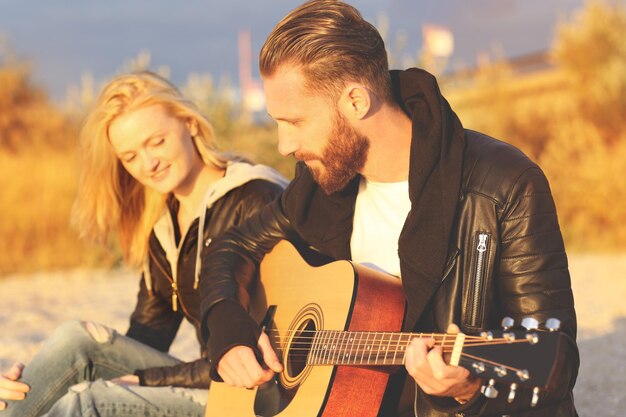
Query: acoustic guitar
point(337, 328)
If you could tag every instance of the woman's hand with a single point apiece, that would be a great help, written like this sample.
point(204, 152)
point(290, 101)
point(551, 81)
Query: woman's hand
point(10, 387)
point(126, 380)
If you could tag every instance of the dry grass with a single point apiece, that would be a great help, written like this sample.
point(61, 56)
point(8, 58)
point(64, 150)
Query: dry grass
point(38, 189)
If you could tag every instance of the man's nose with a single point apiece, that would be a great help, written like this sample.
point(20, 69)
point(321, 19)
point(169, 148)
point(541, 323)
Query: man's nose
point(287, 145)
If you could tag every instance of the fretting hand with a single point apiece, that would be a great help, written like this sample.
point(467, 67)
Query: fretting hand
point(426, 364)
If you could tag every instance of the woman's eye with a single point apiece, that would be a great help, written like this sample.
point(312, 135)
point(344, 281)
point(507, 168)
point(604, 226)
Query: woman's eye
point(128, 159)
point(158, 141)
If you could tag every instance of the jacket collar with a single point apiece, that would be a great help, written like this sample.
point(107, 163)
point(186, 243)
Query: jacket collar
point(436, 163)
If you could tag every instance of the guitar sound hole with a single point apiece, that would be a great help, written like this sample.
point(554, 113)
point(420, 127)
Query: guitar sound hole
point(300, 348)
point(273, 397)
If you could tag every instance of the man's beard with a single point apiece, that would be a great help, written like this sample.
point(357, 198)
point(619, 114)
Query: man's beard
point(343, 157)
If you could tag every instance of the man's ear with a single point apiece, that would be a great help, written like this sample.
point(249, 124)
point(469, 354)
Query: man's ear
point(355, 102)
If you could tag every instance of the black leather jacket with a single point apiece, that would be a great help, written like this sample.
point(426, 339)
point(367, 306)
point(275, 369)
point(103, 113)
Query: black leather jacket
point(525, 271)
point(154, 321)
point(503, 201)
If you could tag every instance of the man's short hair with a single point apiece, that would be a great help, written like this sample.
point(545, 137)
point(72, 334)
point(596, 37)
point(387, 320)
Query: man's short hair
point(332, 43)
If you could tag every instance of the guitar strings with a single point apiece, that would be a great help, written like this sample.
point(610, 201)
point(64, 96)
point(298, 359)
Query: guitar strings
point(369, 333)
point(392, 346)
point(468, 341)
point(490, 362)
point(376, 351)
point(355, 359)
point(368, 353)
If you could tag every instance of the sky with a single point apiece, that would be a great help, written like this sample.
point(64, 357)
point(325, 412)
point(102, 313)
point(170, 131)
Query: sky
point(65, 39)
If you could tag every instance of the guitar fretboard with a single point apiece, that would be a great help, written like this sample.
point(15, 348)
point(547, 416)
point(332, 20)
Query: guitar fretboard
point(332, 347)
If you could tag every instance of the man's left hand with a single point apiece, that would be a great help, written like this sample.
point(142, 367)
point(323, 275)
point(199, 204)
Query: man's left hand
point(425, 363)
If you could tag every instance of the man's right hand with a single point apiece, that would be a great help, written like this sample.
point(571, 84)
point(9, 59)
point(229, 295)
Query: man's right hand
point(10, 387)
point(240, 368)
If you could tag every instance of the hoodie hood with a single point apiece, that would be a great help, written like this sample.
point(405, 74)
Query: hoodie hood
point(237, 174)
point(436, 166)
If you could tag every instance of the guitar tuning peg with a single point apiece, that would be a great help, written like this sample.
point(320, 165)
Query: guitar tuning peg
point(490, 390)
point(553, 324)
point(500, 371)
point(533, 338)
point(507, 323)
point(509, 336)
point(479, 367)
point(487, 335)
point(523, 375)
point(512, 393)
point(530, 323)
point(535, 398)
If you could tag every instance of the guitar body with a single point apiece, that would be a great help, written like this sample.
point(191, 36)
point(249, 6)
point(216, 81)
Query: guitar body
point(337, 296)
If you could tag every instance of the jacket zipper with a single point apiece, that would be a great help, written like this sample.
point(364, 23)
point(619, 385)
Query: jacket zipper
point(174, 289)
point(174, 267)
point(476, 288)
point(174, 264)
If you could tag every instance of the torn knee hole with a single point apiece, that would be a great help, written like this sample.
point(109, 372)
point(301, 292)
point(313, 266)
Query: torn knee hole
point(100, 333)
point(80, 387)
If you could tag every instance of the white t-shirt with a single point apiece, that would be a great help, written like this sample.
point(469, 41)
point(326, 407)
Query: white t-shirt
point(380, 212)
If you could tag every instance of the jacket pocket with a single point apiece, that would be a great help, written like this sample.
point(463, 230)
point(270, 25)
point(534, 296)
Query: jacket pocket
point(478, 277)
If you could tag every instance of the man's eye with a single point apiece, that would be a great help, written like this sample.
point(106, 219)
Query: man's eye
point(158, 141)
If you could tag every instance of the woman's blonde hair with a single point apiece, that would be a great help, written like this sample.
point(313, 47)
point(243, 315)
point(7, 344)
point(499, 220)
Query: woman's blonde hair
point(110, 201)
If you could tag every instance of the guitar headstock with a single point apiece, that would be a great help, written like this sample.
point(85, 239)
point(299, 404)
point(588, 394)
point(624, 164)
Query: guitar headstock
point(527, 358)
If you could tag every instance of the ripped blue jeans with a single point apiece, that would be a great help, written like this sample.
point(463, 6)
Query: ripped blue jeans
point(69, 377)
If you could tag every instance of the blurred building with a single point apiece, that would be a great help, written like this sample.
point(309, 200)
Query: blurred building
point(252, 97)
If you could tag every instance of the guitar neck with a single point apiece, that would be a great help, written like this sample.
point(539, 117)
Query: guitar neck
point(331, 347)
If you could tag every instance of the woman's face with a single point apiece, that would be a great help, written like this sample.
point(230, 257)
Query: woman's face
point(156, 148)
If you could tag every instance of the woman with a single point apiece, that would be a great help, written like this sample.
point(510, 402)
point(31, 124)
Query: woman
point(152, 177)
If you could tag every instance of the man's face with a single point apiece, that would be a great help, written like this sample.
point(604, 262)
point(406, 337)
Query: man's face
point(311, 128)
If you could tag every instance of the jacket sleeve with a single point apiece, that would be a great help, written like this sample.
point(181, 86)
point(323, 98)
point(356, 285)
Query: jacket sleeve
point(153, 322)
point(253, 196)
point(533, 280)
point(186, 374)
point(229, 273)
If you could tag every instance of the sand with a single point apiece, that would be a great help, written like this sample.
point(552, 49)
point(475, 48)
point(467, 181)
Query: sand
point(32, 306)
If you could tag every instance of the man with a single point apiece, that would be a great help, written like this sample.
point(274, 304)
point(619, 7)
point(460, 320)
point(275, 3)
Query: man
point(387, 175)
